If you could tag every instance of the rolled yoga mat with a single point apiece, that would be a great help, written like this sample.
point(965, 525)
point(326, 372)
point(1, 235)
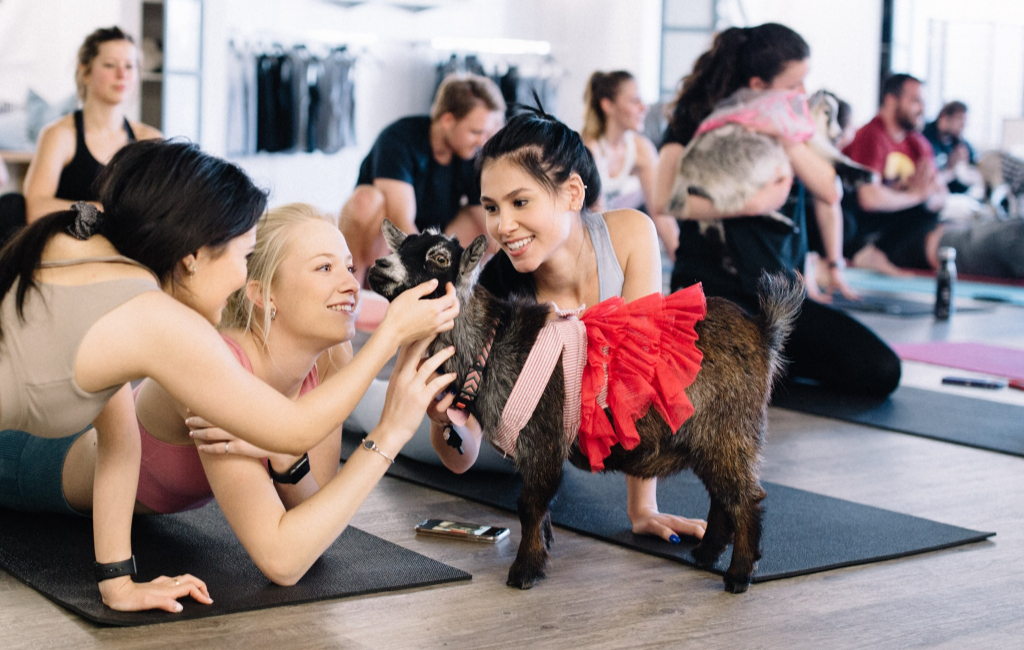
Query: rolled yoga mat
point(942, 416)
point(977, 357)
point(53, 554)
point(803, 532)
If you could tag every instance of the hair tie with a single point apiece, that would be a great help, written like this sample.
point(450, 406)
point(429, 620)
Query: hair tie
point(87, 221)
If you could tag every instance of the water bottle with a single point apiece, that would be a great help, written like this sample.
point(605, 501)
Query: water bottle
point(945, 281)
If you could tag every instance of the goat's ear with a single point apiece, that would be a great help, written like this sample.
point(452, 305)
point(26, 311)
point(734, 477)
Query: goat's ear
point(392, 235)
point(472, 255)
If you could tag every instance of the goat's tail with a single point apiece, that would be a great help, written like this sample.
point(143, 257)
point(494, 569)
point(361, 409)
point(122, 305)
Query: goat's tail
point(781, 298)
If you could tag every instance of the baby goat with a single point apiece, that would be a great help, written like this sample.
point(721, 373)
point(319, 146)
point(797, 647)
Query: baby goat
point(721, 442)
point(728, 162)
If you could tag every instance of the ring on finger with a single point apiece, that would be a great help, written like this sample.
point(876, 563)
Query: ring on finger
point(227, 449)
point(176, 583)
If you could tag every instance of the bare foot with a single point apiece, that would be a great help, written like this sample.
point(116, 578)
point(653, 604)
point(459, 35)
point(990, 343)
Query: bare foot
point(873, 259)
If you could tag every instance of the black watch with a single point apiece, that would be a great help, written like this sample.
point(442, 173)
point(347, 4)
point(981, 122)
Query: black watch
point(112, 570)
point(294, 474)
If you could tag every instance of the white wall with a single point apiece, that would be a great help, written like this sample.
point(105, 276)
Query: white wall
point(975, 55)
point(395, 74)
point(844, 38)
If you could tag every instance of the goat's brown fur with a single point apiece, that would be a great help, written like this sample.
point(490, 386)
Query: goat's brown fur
point(721, 442)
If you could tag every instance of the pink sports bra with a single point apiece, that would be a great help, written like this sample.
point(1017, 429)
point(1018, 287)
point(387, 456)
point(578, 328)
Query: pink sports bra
point(171, 478)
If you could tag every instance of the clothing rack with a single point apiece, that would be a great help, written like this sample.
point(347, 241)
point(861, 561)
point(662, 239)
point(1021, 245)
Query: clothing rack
point(299, 98)
point(517, 75)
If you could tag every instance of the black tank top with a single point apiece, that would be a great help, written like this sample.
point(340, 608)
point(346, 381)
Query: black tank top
point(78, 176)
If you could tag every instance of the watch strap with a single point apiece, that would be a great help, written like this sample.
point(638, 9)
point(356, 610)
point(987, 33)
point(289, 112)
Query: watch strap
point(112, 570)
point(294, 474)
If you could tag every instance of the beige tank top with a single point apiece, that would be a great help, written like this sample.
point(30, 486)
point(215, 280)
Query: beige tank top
point(38, 392)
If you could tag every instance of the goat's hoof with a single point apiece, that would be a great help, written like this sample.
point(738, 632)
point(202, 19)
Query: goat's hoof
point(705, 556)
point(734, 586)
point(523, 578)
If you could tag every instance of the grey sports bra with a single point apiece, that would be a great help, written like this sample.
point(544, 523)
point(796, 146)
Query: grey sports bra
point(609, 274)
point(38, 392)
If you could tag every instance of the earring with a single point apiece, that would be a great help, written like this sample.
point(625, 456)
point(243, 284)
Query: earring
point(191, 270)
point(273, 313)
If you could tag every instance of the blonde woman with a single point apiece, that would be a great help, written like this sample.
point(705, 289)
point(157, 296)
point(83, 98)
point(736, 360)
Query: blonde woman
point(612, 121)
point(290, 326)
point(72, 150)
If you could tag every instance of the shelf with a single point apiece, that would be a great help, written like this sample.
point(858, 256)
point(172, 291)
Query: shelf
point(16, 157)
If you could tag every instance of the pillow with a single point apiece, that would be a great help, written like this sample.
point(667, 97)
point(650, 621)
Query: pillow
point(39, 113)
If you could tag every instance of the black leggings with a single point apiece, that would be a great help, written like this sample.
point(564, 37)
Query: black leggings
point(833, 349)
point(827, 346)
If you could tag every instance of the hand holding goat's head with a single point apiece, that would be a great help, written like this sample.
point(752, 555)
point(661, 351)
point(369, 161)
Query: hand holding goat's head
point(415, 259)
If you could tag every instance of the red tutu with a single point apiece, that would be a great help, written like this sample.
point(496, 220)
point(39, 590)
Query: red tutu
point(639, 354)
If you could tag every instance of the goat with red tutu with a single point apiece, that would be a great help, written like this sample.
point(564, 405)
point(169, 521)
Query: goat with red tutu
point(539, 184)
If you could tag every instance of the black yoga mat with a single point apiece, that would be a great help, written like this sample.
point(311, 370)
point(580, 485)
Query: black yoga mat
point(942, 416)
point(803, 532)
point(53, 554)
point(893, 306)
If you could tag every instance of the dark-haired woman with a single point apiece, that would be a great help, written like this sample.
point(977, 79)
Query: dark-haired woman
point(72, 150)
point(92, 301)
point(826, 346)
point(539, 188)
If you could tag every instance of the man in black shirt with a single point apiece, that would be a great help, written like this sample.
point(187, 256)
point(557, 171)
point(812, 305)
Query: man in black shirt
point(420, 173)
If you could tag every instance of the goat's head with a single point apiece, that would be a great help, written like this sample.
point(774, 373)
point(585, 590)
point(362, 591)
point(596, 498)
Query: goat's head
point(415, 259)
point(824, 109)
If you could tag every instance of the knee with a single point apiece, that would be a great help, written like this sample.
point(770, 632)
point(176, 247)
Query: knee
point(364, 207)
point(882, 374)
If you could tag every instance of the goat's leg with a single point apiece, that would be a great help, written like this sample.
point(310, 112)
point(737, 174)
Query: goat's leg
point(539, 487)
point(736, 503)
point(549, 531)
point(717, 535)
point(746, 548)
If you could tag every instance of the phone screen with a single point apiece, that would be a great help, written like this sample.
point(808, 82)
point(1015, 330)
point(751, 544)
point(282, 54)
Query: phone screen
point(455, 526)
point(463, 530)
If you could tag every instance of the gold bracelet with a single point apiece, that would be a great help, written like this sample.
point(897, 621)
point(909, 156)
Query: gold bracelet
point(372, 446)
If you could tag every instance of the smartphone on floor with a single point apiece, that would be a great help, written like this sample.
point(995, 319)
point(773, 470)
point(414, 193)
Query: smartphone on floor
point(462, 530)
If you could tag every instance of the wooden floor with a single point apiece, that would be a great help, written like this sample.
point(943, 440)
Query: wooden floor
point(598, 595)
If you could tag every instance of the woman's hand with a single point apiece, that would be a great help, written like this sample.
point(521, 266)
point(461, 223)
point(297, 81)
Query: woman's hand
point(771, 197)
point(123, 595)
point(210, 439)
point(413, 387)
point(411, 317)
point(667, 527)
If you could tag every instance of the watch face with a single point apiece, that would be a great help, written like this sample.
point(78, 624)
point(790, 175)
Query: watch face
point(368, 444)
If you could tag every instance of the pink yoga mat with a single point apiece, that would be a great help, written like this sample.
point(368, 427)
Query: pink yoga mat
point(989, 359)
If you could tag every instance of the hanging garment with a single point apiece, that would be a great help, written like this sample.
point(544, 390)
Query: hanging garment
point(242, 98)
point(275, 118)
point(332, 103)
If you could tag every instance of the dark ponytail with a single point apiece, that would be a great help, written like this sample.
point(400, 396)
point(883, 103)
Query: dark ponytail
point(20, 257)
point(737, 55)
point(163, 200)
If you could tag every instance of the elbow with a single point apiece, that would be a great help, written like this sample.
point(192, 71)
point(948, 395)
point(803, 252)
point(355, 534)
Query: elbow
point(281, 569)
point(461, 468)
point(832, 196)
point(867, 198)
